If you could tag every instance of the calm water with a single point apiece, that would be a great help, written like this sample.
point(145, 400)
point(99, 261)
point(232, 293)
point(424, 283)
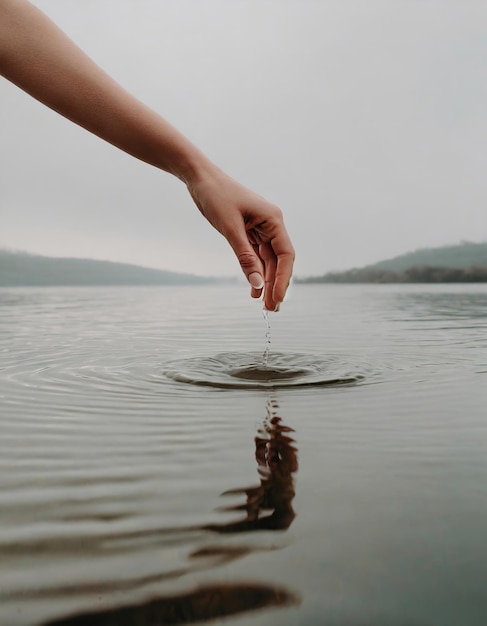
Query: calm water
point(131, 495)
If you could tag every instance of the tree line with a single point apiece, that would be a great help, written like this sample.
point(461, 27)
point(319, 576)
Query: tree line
point(416, 274)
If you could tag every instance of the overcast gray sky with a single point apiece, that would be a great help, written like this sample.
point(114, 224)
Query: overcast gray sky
point(365, 120)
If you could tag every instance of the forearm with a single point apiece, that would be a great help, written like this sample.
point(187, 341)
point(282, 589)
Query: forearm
point(38, 57)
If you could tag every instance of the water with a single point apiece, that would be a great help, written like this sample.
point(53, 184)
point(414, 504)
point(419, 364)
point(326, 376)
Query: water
point(344, 484)
point(265, 357)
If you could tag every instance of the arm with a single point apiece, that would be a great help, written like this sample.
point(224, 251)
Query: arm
point(38, 57)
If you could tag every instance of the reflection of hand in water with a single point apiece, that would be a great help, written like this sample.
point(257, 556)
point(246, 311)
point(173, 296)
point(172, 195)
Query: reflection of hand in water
point(277, 461)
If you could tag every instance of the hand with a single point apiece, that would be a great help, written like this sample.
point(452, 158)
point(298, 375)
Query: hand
point(255, 230)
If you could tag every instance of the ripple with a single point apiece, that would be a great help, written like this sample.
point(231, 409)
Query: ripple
point(59, 383)
point(246, 370)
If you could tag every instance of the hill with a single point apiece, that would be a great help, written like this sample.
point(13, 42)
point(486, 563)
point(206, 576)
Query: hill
point(23, 269)
point(460, 256)
point(465, 262)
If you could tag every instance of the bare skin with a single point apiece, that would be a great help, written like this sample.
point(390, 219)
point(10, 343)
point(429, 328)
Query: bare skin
point(38, 57)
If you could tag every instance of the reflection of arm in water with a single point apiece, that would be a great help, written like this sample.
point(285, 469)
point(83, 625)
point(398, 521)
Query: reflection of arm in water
point(207, 602)
point(277, 461)
point(42, 60)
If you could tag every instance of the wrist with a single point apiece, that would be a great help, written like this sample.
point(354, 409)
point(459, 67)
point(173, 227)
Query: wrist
point(193, 166)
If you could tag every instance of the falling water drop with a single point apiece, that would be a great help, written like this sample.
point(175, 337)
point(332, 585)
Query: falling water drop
point(265, 357)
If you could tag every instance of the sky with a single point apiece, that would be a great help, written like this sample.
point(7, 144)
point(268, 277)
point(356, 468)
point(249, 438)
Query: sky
point(364, 120)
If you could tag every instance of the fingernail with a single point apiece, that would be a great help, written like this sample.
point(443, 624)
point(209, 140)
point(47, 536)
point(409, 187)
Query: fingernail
point(277, 307)
point(256, 280)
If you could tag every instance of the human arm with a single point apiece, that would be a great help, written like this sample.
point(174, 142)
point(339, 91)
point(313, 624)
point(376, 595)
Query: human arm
point(38, 57)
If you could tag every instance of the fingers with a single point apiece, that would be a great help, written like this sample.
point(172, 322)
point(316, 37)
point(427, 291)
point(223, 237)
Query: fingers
point(284, 252)
point(249, 260)
point(255, 292)
point(268, 257)
point(266, 265)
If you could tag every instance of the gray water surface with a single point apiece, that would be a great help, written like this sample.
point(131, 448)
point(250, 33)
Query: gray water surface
point(153, 471)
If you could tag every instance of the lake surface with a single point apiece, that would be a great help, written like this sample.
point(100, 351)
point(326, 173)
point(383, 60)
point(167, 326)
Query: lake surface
point(152, 473)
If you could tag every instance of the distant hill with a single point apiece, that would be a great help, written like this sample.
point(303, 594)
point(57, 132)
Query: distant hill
point(465, 262)
point(23, 269)
point(460, 256)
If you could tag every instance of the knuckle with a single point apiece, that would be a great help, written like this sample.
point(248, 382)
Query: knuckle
point(278, 213)
point(275, 215)
point(246, 259)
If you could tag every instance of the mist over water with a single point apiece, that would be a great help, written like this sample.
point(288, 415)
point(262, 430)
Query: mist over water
point(153, 469)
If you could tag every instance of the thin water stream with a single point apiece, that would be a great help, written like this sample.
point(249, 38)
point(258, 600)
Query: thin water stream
point(265, 358)
point(250, 370)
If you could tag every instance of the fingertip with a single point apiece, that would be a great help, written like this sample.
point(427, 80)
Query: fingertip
point(278, 294)
point(269, 302)
point(256, 281)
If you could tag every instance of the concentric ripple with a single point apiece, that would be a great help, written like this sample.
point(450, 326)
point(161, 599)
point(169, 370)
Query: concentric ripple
point(235, 370)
